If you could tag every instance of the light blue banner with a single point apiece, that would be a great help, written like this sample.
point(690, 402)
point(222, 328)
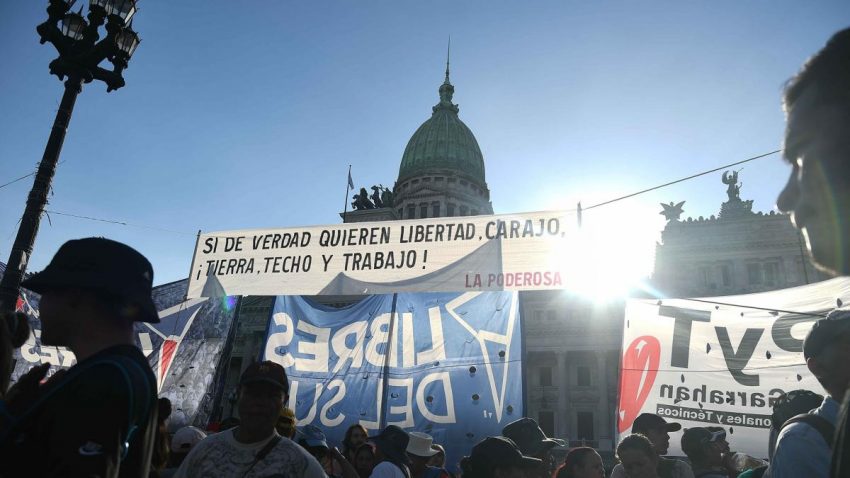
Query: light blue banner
point(454, 371)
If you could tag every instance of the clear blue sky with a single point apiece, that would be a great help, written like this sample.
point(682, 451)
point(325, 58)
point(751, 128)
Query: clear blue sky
point(247, 114)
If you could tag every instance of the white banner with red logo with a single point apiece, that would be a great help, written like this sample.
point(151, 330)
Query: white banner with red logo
point(720, 361)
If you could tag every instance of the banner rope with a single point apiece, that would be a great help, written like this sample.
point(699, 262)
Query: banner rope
point(24, 177)
point(16, 180)
point(121, 223)
point(740, 306)
point(683, 179)
point(725, 370)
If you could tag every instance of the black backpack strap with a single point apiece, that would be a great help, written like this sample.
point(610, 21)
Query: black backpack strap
point(822, 425)
point(136, 415)
point(140, 407)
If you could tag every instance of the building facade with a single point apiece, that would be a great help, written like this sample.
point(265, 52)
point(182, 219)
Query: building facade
point(736, 252)
point(572, 366)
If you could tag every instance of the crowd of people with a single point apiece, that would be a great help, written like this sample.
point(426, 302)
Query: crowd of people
point(102, 417)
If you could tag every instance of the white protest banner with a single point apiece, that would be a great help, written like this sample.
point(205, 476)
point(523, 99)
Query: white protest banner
point(708, 362)
point(528, 251)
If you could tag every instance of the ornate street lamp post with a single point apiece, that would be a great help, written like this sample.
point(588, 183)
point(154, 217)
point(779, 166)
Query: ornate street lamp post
point(81, 50)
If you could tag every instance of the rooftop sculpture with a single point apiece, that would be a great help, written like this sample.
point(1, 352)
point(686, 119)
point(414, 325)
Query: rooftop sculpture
point(734, 189)
point(672, 211)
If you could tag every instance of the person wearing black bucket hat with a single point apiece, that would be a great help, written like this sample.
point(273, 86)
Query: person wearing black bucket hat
point(529, 437)
point(102, 265)
point(98, 418)
point(391, 453)
point(532, 441)
point(498, 457)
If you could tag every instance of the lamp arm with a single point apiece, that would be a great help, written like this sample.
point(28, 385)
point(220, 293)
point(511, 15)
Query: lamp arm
point(102, 50)
point(113, 79)
point(49, 32)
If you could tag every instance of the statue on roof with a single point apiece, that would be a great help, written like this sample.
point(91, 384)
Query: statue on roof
point(734, 207)
point(734, 189)
point(672, 212)
point(376, 197)
point(386, 196)
point(361, 201)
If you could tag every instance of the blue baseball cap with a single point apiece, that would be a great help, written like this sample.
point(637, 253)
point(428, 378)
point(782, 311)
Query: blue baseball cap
point(312, 435)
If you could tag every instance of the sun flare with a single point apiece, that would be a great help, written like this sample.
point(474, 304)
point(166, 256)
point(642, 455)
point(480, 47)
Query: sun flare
point(612, 252)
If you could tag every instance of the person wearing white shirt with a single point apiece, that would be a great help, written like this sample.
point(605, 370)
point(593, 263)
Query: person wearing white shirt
point(253, 449)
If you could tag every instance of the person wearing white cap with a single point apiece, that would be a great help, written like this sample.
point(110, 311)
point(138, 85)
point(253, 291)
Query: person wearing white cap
point(420, 451)
point(181, 444)
point(184, 439)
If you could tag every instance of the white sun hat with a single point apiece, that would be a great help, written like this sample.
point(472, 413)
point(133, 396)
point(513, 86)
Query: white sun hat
point(420, 445)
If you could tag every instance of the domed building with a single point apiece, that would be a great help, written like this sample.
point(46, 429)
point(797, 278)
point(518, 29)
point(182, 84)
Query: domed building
point(441, 172)
point(442, 168)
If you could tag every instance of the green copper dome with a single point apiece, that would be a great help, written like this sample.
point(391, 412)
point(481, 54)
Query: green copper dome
point(443, 142)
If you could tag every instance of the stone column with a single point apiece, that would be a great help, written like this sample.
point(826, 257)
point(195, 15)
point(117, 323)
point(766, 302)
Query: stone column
point(604, 415)
point(792, 274)
point(563, 395)
point(563, 387)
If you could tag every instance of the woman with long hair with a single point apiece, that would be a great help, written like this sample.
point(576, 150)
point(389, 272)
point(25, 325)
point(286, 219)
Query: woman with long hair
point(581, 462)
point(364, 460)
point(355, 436)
